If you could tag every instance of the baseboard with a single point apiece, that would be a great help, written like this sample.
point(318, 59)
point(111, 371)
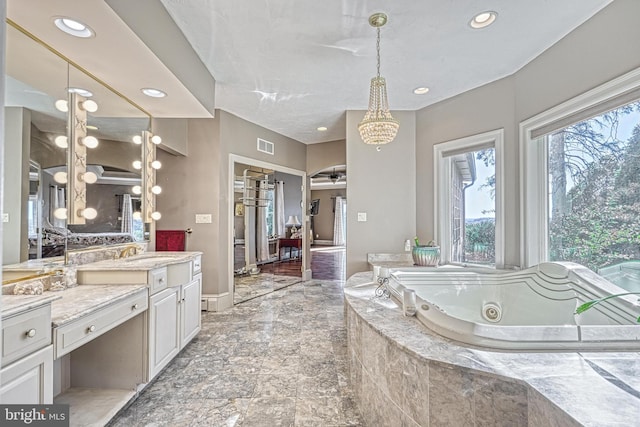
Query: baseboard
point(216, 302)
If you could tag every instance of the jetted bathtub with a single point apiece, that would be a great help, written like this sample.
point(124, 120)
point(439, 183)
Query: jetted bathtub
point(531, 309)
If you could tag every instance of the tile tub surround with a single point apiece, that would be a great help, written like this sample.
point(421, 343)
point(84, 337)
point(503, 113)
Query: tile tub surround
point(402, 371)
point(276, 360)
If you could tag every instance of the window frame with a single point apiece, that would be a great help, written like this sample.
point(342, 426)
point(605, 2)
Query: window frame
point(534, 186)
point(442, 190)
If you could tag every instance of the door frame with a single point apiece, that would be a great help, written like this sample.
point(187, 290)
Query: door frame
point(235, 158)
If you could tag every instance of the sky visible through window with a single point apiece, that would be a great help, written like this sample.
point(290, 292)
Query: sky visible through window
point(479, 203)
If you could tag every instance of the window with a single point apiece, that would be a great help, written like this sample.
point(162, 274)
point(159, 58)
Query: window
point(270, 212)
point(581, 178)
point(468, 208)
point(594, 189)
point(32, 216)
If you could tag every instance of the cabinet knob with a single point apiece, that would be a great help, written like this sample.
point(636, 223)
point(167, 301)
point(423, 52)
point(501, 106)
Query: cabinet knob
point(134, 307)
point(161, 280)
point(91, 328)
point(31, 333)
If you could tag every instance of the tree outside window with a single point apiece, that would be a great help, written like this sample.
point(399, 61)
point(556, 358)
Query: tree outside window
point(594, 189)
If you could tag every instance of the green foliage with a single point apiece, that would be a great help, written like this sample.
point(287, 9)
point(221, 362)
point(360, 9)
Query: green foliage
point(602, 226)
point(589, 304)
point(480, 241)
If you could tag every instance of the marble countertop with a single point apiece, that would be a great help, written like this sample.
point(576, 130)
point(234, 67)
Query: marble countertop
point(37, 263)
point(144, 261)
point(14, 304)
point(391, 260)
point(595, 388)
point(85, 299)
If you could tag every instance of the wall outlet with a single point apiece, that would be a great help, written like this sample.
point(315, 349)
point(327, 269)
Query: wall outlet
point(362, 216)
point(5, 217)
point(203, 218)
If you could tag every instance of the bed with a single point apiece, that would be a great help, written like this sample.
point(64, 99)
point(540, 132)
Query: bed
point(53, 241)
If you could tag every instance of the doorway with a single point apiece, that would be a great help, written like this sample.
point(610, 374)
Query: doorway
point(328, 223)
point(268, 228)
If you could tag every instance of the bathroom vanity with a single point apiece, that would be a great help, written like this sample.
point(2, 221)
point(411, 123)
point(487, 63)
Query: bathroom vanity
point(97, 345)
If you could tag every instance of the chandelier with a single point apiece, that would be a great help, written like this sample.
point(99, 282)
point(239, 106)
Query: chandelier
point(378, 126)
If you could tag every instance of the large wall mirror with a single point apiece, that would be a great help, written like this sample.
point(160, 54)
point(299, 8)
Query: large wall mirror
point(40, 85)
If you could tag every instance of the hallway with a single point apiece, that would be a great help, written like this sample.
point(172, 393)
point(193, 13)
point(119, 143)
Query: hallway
point(276, 360)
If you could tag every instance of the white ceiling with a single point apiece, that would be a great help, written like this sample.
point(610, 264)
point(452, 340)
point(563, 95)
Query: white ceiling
point(292, 65)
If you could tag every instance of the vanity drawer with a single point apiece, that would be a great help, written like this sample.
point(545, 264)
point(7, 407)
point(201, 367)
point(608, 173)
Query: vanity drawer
point(71, 336)
point(197, 264)
point(157, 280)
point(25, 333)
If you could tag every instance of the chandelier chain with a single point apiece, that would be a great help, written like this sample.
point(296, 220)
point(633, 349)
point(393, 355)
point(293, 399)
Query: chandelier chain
point(378, 51)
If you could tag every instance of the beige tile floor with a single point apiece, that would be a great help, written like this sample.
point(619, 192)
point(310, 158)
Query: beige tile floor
point(276, 360)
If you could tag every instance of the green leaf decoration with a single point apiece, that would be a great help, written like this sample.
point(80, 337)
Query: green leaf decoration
point(589, 304)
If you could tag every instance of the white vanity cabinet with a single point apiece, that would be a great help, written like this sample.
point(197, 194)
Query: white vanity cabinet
point(164, 328)
point(174, 280)
point(174, 315)
point(29, 380)
point(27, 358)
point(190, 316)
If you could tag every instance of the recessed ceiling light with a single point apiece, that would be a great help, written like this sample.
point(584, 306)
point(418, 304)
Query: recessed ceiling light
point(73, 27)
point(483, 19)
point(421, 90)
point(322, 128)
point(80, 91)
point(154, 93)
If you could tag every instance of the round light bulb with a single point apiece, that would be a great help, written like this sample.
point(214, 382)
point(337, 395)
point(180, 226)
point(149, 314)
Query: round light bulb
point(156, 215)
point(137, 164)
point(89, 105)
point(137, 215)
point(137, 139)
point(60, 213)
point(62, 105)
point(60, 177)
point(89, 213)
point(156, 139)
point(61, 141)
point(483, 19)
point(136, 189)
point(90, 177)
point(156, 189)
point(156, 164)
point(90, 141)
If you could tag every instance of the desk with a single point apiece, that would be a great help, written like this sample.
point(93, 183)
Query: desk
point(289, 243)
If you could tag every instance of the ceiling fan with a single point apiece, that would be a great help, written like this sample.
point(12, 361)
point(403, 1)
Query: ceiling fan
point(333, 176)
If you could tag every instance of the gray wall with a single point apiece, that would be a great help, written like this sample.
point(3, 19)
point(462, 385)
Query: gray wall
point(323, 222)
point(325, 155)
point(3, 37)
point(16, 170)
point(292, 194)
point(594, 53)
point(383, 185)
point(199, 183)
